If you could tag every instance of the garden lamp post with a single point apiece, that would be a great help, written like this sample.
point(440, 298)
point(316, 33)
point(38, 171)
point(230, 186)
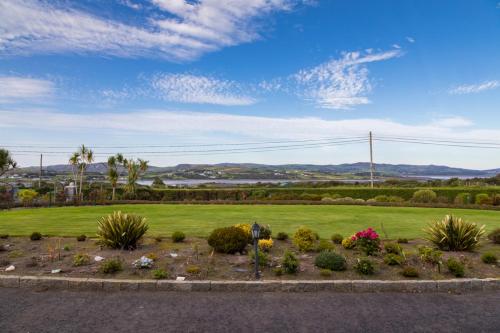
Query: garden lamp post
point(255, 236)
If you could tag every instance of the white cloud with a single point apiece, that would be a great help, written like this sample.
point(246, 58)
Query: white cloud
point(474, 88)
point(340, 83)
point(15, 89)
point(187, 88)
point(28, 27)
point(410, 39)
point(451, 122)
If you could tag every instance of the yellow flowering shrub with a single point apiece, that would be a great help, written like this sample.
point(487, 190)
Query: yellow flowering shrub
point(348, 243)
point(265, 244)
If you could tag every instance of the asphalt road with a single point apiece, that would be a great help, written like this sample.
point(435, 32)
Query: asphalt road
point(63, 311)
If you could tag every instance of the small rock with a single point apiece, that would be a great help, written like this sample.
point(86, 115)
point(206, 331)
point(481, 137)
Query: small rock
point(55, 271)
point(10, 268)
point(98, 258)
point(173, 255)
point(241, 270)
point(180, 278)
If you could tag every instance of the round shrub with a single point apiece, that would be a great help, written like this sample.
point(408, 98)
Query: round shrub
point(111, 266)
point(304, 239)
point(81, 260)
point(393, 248)
point(489, 258)
point(290, 263)
point(35, 236)
point(364, 267)
point(463, 199)
point(483, 199)
point(247, 228)
point(193, 269)
point(337, 238)
point(228, 240)
point(494, 236)
point(410, 272)
point(331, 260)
point(348, 243)
point(121, 231)
point(178, 236)
point(265, 244)
point(455, 267)
point(265, 232)
point(263, 258)
point(159, 274)
point(392, 259)
point(81, 238)
point(424, 196)
point(324, 245)
point(282, 236)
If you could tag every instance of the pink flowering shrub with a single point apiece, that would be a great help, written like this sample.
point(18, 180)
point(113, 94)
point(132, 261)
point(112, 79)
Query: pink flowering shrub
point(368, 241)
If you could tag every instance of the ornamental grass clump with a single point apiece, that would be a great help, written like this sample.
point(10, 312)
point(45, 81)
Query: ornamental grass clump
point(368, 241)
point(331, 260)
point(121, 231)
point(454, 234)
point(178, 236)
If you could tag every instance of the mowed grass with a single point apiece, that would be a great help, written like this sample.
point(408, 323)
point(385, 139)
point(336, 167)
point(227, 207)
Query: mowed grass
point(199, 220)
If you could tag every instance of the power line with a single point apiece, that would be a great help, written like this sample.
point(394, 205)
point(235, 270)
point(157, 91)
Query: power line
point(441, 140)
point(439, 144)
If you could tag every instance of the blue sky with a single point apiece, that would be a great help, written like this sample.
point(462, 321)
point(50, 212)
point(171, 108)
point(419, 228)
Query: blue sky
point(159, 72)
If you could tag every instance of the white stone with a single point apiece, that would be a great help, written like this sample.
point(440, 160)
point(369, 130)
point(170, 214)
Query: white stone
point(98, 258)
point(180, 278)
point(55, 271)
point(10, 268)
point(173, 255)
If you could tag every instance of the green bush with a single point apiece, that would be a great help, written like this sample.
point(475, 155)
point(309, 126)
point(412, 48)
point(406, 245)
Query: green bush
point(324, 245)
point(265, 231)
point(331, 260)
point(325, 272)
point(81, 259)
point(193, 269)
point(121, 231)
point(111, 266)
point(387, 198)
point(278, 271)
point(455, 267)
point(393, 248)
point(403, 240)
point(483, 199)
point(424, 196)
point(159, 274)
point(337, 238)
point(364, 267)
point(454, 234)
point(228, 240)
point(489, 258)
point(410, 272)
point(282, 236)
point(263, 258)
point(430, 255)
point(178, 236)
point(494, 236)
point(392, 259)
point(35, 236)
point(290, 263)
point(81, 238)
point(463, 199)
point(304, 239)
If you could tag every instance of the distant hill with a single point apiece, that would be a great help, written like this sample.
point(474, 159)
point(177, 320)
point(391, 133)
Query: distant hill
point(286, 171)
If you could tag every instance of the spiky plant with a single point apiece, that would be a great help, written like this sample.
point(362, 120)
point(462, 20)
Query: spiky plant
point(121, 231)
point(454, 234)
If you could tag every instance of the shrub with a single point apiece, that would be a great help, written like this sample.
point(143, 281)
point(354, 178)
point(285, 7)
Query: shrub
point(409, 272)
point(324, 245)
point(265, 231)
point(403, 240)
point(463, 199)
point(483, 199)
point(393, 248)
point(364, 267)
point(304, 239)
point(392, 259)
point(331, 260)
point(454, 234)
point(348, 243)
point(368, 241)
point(278, 271)
point(263, 258)
point(489, 258)
point(430, 255)
point(178, 236)
point(193, 269)
point(121, 231)
point(4, 236)
point(494, 236)
point(265, 244)
point(282, 236)
point(337, 238)
point(81, 238)
point(159, 274)
point(81, 259)
point(35, 236)
point(27, 196)
point(111, 266)
point(290, 263)
point(247, 229)
point(455, 267)
point(424, 196)
point(228, 240)
point(67, 248)
point(325, 272)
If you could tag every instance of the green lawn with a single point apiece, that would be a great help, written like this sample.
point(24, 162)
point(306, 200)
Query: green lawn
point(199, 220)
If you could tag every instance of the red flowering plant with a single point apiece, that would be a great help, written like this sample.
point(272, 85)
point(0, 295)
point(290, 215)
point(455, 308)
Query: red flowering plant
point(368, 241)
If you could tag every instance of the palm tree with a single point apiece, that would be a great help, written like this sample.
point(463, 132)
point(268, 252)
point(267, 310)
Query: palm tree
point(113, 174)
point(86, 157)
point(7, 163)
point(74, 161)
point(134, 169)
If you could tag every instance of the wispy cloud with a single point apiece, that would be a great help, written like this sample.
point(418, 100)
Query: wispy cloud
point(340, 83)
point(188, 88)
point(30, 26)
point(451, 122)
point(410, 39)
point(474, 88)
point(15, 89)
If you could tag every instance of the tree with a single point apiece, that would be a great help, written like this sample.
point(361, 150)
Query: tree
point(7, 163)
point(134, 170)
point(113, 173)
point(86, 157)
point(158, 182)
point(74, 161)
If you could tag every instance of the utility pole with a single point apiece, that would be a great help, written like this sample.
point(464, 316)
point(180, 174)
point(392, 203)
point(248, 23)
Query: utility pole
point(40, 176)
point(371, 160)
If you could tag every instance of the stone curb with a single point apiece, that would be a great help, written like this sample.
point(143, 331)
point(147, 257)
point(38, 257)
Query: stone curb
point(356, 286)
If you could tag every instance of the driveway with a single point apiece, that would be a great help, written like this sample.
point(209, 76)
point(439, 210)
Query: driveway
point(63, 311)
